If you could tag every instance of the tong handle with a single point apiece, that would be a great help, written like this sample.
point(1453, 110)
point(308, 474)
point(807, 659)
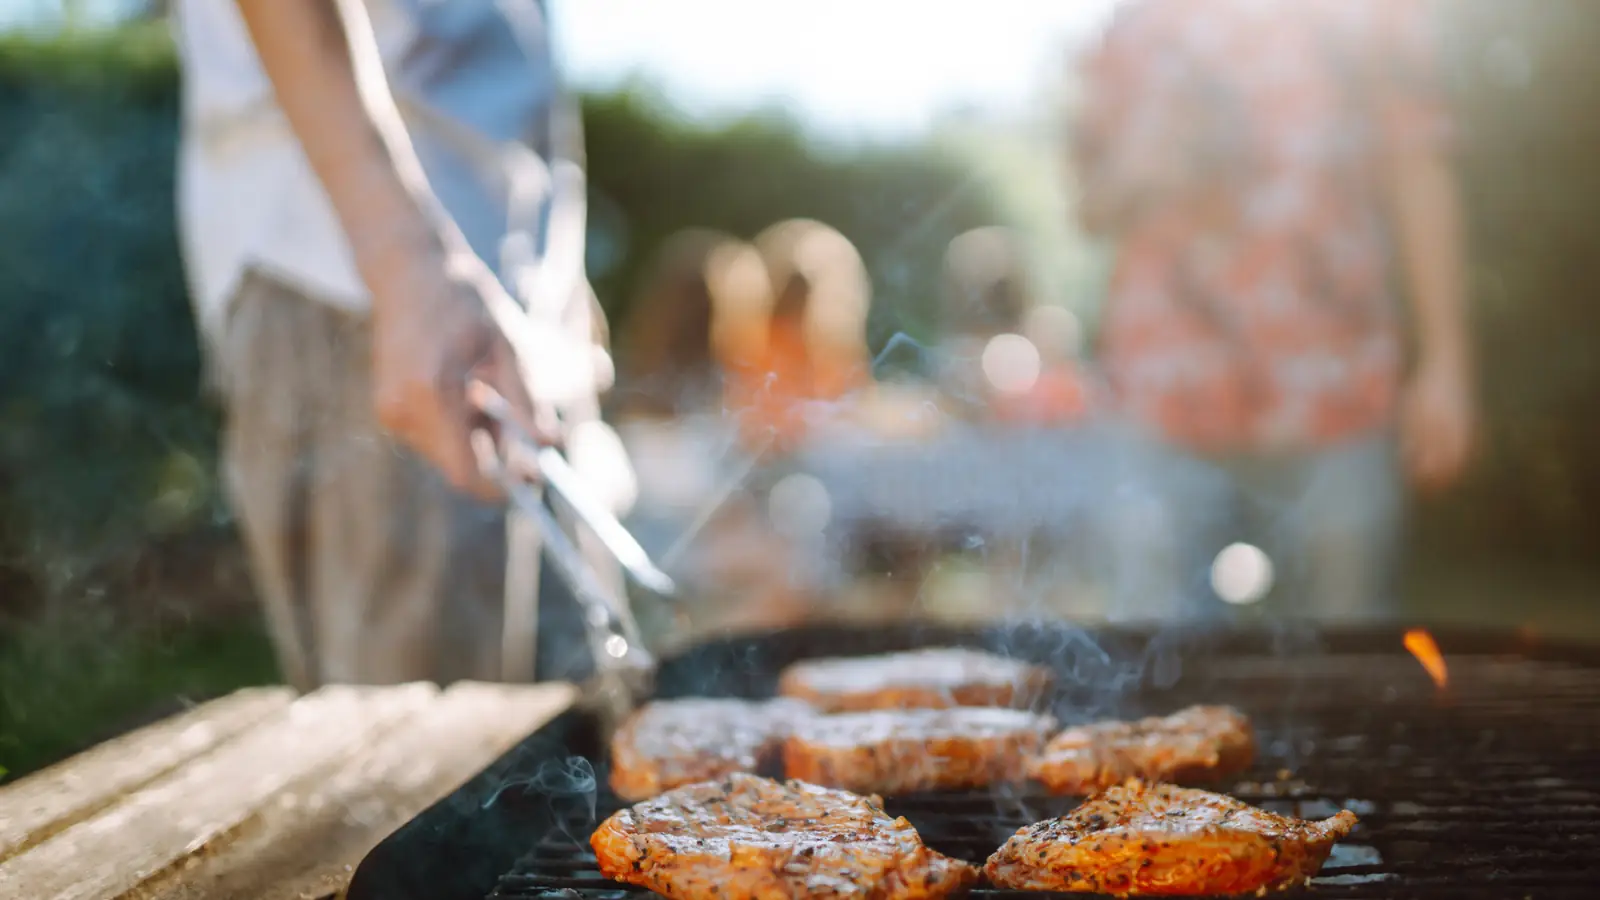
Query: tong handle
point(561, 478)
point(614, 635)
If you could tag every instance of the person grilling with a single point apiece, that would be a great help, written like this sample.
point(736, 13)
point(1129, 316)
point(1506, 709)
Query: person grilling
point(381, 203)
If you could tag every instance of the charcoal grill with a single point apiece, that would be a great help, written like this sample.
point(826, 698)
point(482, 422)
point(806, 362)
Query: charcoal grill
point(1486, 788)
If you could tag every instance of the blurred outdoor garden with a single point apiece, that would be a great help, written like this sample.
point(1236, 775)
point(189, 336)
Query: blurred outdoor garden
point(124, 596)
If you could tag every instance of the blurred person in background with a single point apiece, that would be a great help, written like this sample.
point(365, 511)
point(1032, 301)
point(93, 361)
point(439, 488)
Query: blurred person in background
point(1066, 392)
point(704, 296)
point(380, 202)
point(800, 356)
point(1011, 370)
point(1010, 358)
point(669, 369)
point(801, 385)
point(1263, 170)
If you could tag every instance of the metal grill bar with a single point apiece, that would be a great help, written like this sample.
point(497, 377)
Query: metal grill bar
point(1400, 849)
point(1489, 788)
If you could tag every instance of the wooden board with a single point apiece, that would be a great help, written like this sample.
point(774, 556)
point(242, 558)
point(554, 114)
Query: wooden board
point(161, 824)
point(50, 801)
point(307, 843)
point(285, 809)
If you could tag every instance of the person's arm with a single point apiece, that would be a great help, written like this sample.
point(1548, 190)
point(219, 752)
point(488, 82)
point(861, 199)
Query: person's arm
point(434, 302)
point(1438, 423)
point(1439, 419)
point(1429, 228)
point(330, 84)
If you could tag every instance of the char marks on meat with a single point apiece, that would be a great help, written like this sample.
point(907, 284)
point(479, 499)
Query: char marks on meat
point(671, 743)
point(1196, 745)
point(1165, 840)
point(748, 837)
point(933, 678)
point(898, 751)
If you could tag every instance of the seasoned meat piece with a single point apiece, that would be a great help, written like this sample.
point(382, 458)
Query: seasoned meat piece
point(748, 837)
point(935, 678)
point(671, 743)
point(1201, 743)
point(897, 751)
point(1161, 839)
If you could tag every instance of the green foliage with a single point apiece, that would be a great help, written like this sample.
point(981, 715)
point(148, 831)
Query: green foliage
point(135, 61)
point(1524, 76)
point(100, 431)
point(654, 174)
point(68, 681)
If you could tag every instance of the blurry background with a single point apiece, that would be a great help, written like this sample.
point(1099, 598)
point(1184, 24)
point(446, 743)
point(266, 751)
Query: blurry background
point(902, 124)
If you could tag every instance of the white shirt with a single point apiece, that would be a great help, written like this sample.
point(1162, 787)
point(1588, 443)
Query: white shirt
point(476, 85)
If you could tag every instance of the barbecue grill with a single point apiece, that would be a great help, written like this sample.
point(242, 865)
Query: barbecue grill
point(1484, 786)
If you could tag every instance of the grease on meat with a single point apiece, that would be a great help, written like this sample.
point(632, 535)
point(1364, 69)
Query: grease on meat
point(895, 751)
point(933, 678)
point(749, 837)
point(671, 743)
point(1165, 840)
point(1198, 744)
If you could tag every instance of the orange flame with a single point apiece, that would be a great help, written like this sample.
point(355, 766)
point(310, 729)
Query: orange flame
point(1422, 646)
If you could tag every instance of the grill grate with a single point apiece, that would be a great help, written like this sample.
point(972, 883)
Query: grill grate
point(1489, 788)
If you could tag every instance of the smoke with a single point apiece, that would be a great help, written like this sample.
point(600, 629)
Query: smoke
point(572, 776)
point(564, 787)
point(903, 354)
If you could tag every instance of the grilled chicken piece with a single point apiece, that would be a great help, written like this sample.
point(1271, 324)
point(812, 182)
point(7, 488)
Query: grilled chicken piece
point(897, 751)
point(671, 743)
point(748, 837)
point(1161, 839)
point(934, 678)
point(1201, 743)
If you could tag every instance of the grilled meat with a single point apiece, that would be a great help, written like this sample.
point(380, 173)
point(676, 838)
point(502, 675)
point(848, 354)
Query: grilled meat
point(896, 751)
point(671, 743)
point(1161, 839)
point(934, 678)
point(1201, 743)
point(748, 837)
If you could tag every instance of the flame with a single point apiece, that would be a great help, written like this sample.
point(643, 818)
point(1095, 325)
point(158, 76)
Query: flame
point(1422, 646)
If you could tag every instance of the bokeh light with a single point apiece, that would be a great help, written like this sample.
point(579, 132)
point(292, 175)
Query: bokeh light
point(1011, 363)
point(799, 506)
point(1242, 574)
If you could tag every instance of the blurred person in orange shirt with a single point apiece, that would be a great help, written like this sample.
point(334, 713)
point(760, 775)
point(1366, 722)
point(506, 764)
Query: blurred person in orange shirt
point(1261, 167)
point(797, 357)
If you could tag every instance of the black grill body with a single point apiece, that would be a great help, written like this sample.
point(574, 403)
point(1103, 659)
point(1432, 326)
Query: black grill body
point(1487, 788)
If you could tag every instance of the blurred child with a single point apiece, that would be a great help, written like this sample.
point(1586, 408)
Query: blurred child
point(796, 359)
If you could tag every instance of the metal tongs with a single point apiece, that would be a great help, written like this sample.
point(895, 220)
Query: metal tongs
point(624, 667)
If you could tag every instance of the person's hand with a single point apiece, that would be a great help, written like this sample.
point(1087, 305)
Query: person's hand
point(1438, 425)
point(434, 332)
